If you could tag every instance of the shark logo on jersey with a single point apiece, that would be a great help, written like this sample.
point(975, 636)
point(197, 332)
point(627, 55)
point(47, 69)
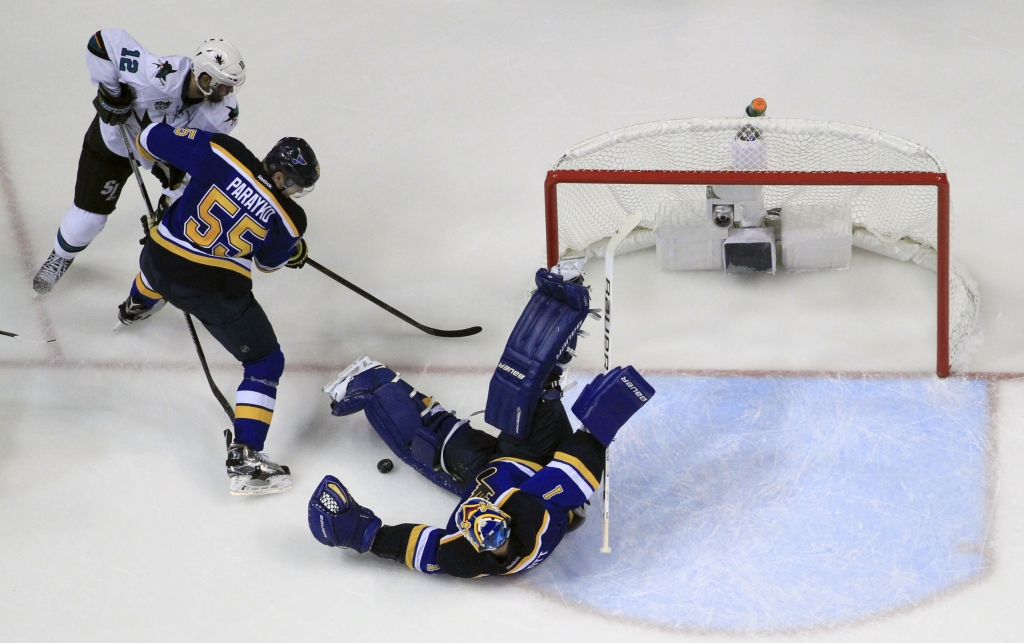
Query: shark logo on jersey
point(232, 114)
point(164, 70)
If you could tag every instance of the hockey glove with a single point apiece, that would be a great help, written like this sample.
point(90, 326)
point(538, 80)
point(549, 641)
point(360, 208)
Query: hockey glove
point(337, 520)
point(299, 256)
point(114, 110)
point(610, 400)
point(169, 176)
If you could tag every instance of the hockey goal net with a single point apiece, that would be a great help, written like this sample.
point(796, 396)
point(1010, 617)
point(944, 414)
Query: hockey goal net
point(891, 196)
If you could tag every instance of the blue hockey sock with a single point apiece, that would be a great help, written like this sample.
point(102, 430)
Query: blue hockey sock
point(256, 397)
point(142, 291)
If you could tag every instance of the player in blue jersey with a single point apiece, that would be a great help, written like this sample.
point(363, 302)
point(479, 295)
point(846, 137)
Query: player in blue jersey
point(522, 491)
point(236, 212)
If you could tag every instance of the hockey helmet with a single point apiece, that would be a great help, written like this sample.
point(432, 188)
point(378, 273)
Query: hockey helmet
point(294, 158)
point(485, 526)
point(221, 61)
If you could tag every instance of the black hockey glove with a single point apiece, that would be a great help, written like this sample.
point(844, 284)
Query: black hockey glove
point(298, 258)
point(114, 110)
point(169, 176)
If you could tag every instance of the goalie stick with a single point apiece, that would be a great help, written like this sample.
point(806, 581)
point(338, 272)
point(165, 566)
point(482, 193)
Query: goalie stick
point(148, 221)
point(609, 263)
point(436, 332)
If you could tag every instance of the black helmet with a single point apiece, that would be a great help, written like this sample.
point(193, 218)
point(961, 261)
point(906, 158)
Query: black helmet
point(294, 158)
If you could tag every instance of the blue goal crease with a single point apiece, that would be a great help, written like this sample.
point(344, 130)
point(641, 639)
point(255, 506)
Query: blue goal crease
point(767, 504)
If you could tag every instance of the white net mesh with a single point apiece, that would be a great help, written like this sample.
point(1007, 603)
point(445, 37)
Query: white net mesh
point(897, 221)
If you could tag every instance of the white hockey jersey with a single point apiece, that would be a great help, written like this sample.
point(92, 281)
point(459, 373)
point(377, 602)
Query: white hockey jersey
point(161, 86)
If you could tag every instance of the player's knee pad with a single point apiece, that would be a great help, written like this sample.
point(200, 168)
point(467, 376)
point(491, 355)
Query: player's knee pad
point(267, 369)
point(610, 400)
point(542, 339)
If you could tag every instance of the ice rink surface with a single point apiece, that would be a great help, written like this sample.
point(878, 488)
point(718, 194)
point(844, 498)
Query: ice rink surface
point(434, 124)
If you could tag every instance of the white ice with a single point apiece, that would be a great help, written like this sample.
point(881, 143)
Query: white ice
point(434, 124)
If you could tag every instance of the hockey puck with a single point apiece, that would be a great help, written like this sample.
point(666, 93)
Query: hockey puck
point(385, 466)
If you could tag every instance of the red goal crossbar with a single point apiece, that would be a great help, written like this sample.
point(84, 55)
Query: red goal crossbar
point(666, 177)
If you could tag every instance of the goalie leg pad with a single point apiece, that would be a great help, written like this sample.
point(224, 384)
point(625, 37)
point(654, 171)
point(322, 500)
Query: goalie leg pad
point(610, 400)
point(337, 520)
point(400, 416)
point(360, 389)
point(542, 340)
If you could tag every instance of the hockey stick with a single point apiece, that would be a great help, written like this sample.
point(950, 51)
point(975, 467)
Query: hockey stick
point(26, 339)
point(149, 223)
point(609, 263)
point(463, 332)
point(206, 369)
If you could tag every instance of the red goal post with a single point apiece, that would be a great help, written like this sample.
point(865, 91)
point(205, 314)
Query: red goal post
point(798, 178)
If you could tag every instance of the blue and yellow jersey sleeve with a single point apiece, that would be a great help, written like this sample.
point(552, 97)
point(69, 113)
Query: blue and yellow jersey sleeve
point(572, 476)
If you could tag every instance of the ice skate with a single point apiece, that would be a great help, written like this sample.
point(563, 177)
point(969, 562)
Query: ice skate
point(133, 310)
point(50, 273)
point(253, 474)
point(339, 386)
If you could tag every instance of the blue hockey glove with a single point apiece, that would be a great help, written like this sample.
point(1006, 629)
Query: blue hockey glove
point(610, 400)
point(337, 520)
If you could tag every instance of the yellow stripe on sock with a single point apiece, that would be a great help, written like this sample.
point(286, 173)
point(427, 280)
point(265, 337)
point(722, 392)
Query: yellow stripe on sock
point(246, 412)
point(141, 285)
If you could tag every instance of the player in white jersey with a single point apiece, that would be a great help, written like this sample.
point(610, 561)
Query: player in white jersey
point(136, 88)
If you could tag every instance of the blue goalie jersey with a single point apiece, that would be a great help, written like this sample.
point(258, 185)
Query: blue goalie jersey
point(538, 499)
point(230, 216)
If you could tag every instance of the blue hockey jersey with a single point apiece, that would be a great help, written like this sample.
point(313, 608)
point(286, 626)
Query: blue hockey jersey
point(538, 499)
point(230, 216)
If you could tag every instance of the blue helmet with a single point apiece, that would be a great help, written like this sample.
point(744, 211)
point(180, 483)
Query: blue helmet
point(485, 526)
point(294, 158)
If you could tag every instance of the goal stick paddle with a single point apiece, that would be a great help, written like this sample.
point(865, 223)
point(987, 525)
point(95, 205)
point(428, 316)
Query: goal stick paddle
point(149, 221)
point(463, 332)
point(609, 262)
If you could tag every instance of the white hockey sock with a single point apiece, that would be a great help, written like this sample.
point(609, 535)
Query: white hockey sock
point(77, 230)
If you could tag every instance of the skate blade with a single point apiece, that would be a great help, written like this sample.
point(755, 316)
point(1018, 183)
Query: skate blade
point(364, 363)
point(247, 486)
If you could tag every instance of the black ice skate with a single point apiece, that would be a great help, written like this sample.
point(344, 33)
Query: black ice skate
point(252, 473)
point(50, 273)
point(133, 310)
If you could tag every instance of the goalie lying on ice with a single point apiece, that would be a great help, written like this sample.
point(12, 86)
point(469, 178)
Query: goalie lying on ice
point(522, 491)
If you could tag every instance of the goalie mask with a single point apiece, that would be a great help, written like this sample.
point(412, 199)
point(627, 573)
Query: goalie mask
point(485, 526)
point(218, 59)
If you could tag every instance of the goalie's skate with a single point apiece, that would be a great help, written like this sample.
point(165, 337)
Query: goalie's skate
point(337, 388)
point(50, 273)
point(252, 473)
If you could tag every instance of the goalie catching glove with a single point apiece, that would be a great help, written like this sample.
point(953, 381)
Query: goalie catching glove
point(114, 110)
point(337, 520)
point(610, 400)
